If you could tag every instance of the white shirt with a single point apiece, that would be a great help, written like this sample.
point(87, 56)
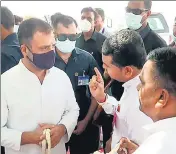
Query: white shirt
point(162, 139)
point(25, 103)
point(130, 119)
point(106, 31)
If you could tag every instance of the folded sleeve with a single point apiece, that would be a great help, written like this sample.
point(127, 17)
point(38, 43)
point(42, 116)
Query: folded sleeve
point(110, 105)
point(70, 116)
point(10, 138)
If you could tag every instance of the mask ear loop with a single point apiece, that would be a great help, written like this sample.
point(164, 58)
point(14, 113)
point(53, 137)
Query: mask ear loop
point(31, 57)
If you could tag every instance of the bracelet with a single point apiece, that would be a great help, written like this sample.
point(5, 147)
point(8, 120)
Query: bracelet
point(103, 101)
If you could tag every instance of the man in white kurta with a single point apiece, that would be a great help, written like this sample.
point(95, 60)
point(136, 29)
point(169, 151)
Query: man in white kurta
point(157, 95)
point(27, 101)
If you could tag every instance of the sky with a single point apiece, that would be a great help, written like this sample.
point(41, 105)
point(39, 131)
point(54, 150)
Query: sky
point(113, 9)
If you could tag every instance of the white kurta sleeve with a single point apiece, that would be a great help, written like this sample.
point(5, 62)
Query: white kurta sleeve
point(70, 116)
point(110, 105)
point(10, 138)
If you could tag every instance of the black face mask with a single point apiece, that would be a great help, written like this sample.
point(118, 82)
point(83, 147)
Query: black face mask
point(43, 61)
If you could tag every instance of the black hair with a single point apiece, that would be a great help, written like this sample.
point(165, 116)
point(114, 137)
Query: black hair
point(165, 67)
point(63, 19)
point(148, 4)
point(18, 19)
point(126, 48)
point(89, 9)
point(100, 12)
point(29, 27)
point(54, 17)
point(7, 18)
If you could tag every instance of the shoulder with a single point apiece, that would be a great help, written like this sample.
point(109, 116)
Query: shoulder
point(158, 40)
point(84, 55)
point(12, 51)
point(101, 37)
point(158, 143)
point(58, 72)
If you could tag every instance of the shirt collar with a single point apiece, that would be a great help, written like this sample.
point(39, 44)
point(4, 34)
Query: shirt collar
point(25, 70)
point(133, 82)
point(162, 125)
point(144, 32)
point(93, 37)
point(102, 30)
point(12, 39)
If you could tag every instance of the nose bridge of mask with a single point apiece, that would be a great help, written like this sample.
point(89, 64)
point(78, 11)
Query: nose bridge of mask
point(133, 21)
point(85, 25)
point(66, 46)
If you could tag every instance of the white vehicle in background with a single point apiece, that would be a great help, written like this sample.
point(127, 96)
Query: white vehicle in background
point(157, 23)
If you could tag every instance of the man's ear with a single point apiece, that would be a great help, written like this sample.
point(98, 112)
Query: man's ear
point(162, 102)
point(128, 71)
point(24, 50)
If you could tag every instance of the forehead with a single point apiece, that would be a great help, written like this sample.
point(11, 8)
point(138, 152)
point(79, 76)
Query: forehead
point(88, 14)
point(43, 39)
point(99, 17)
point(70, 29)
point(107, 59)
point(148, 71)
point(136, 4)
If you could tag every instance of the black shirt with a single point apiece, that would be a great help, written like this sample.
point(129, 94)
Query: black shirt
point(151, 39)
point(10, 52)
point(80, 62)
point(93, 46)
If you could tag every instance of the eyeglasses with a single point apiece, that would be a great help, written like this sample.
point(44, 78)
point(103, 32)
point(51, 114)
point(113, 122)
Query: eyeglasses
point(135, 11)
point(71, 37)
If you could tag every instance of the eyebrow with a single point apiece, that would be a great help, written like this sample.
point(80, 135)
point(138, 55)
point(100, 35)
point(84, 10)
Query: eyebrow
point(47, 46)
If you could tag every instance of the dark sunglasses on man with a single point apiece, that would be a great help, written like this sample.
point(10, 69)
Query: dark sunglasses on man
point(135, 11)
point(71, 37)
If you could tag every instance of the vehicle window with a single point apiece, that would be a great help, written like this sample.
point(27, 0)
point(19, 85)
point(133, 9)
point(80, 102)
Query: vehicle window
point(155, 24)
point(158, 23)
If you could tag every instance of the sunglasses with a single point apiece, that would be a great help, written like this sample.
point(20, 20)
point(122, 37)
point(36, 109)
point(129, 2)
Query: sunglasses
point(71, 37)
point(135, 11)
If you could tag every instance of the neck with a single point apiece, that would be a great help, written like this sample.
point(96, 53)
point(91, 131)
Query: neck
point(6, 34)
point(169, 111)
point(98, 28)
point(88, 35)
point(64, 56)
point(38, 72)
point(136, 72)
point(143, 26)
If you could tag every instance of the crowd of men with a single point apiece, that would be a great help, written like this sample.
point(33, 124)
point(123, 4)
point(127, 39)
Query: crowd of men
point(74, 84)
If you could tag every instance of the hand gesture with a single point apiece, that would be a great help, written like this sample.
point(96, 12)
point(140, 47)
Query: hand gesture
point(96, 86)
point(81, 126)
point(127, 144)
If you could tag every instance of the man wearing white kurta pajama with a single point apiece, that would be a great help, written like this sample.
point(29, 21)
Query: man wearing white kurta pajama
point(29, 103)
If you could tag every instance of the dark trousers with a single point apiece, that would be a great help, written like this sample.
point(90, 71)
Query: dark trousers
point(2, 150)
point(85, 143)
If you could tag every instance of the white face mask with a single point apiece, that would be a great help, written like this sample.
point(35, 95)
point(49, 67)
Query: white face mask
point(85, 25)
point(133, 21)
point(65, 46)
point(174, 38)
